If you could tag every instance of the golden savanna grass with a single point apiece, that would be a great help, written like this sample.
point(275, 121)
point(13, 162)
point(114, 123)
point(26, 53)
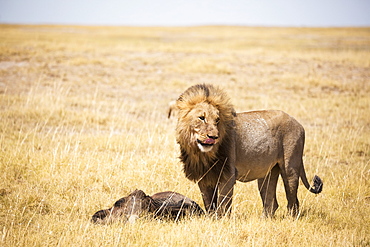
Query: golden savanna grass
point(84, 122)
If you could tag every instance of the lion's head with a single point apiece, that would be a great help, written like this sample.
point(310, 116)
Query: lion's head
point(205, 117)
point(203, 120)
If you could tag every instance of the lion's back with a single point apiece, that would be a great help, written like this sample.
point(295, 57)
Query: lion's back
point(262, 137)
point(272, 122)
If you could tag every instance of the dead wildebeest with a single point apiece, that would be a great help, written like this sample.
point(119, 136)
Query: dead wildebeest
point(167, 204)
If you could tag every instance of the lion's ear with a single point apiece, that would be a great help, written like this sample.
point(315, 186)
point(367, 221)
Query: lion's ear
point(172, 107)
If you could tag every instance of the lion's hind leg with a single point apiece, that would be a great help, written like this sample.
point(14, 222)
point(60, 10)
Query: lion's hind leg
point(267, 188)
point(290, 174)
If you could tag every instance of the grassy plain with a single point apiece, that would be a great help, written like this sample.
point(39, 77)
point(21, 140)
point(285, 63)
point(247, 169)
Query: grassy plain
point(83, 116)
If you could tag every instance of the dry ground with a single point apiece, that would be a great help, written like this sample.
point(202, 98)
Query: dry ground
point(84, 122)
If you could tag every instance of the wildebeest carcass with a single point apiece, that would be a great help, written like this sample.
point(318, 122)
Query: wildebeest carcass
point(170, 205)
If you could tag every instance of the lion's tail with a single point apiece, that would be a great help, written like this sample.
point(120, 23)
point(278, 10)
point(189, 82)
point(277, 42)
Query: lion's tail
point(316, 188)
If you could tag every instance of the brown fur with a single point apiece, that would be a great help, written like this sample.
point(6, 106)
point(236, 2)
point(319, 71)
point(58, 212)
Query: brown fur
point(168, 204)
point(219, 146)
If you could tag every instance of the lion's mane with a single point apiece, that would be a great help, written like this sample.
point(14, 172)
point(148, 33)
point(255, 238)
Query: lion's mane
point(199, 165)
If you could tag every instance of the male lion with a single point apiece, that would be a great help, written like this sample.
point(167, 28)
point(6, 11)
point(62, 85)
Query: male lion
point(219, 147)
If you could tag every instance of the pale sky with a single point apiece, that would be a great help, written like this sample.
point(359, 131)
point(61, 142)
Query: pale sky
point(317, 13)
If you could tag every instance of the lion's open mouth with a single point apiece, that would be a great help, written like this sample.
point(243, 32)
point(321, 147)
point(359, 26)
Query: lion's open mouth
point(207, 142)
point(206, 145)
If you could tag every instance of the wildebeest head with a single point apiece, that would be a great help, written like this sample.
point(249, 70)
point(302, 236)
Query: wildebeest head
point(128, 208)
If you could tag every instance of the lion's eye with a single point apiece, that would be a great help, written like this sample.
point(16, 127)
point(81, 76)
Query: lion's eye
point(202, 118)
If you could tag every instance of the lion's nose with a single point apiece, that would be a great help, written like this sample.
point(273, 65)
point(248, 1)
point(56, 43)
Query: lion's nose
point(212, 137)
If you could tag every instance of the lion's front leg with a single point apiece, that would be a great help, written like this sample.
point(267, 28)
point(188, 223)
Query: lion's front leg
point(227, 182)
point(209, 195)
point(225, 198)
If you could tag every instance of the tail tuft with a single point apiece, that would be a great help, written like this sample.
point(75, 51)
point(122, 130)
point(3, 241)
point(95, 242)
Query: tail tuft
point(317, 185)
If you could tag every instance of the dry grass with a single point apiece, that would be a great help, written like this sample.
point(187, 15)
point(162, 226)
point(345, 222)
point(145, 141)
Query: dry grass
point(83, 122)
